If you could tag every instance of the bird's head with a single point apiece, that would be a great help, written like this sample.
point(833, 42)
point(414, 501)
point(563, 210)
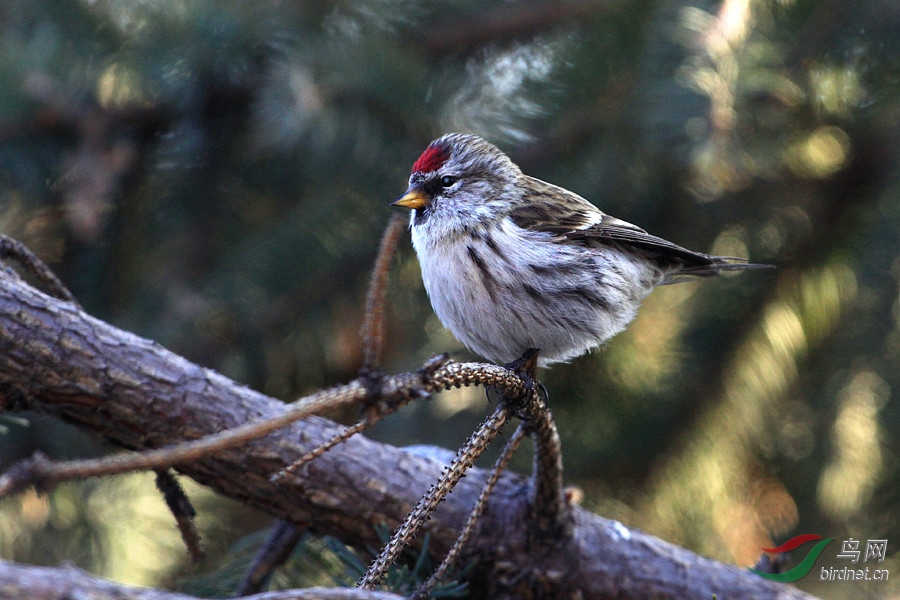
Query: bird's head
point(458, 181)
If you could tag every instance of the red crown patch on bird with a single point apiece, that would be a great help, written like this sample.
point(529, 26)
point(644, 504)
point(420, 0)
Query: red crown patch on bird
point(434, 156)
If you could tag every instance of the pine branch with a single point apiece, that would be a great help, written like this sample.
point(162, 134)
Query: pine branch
point(54, 583)
point(58, 360)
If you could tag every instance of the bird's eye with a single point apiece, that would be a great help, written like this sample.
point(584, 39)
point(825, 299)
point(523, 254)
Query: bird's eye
point(447, 181)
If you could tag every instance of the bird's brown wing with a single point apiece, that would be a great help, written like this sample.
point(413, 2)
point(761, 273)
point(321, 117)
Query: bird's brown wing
point(667, 255)
point(572, 219)
point(551, 209)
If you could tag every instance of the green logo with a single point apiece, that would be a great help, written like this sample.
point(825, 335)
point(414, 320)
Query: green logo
point(805, 565)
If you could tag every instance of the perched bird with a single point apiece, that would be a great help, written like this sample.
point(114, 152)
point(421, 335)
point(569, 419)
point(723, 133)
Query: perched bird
point(513, 263)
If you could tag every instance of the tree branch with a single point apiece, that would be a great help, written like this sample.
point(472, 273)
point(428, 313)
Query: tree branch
point(56, 359)
point(55, 583)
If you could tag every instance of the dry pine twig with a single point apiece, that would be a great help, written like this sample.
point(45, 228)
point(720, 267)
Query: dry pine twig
point(463, 461)
point(477, 511)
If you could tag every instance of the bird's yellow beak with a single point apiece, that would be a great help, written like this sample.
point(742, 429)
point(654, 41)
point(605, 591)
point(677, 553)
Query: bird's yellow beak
point(413, 198)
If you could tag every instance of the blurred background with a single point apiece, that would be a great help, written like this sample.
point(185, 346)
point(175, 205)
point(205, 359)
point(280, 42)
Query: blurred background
point(215, 176)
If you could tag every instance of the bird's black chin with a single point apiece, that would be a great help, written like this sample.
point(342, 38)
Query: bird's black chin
point(421, 215)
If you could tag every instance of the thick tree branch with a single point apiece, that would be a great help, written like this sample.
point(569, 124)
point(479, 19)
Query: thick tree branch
point(56, 359)
point(64, 583)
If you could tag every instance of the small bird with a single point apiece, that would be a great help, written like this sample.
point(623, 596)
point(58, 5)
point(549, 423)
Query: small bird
point(512, 263)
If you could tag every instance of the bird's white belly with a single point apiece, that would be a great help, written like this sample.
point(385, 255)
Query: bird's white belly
point(505, 292)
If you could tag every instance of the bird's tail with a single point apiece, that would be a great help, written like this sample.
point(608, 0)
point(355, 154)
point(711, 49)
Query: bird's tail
point(713, 265)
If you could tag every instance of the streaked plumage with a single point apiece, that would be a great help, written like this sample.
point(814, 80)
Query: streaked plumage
point(511, 262)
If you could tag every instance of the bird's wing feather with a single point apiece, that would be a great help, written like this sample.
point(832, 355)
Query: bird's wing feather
point(551, 209)
point(572, 219)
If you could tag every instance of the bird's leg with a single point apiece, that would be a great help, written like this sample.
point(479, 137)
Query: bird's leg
point(525, 367)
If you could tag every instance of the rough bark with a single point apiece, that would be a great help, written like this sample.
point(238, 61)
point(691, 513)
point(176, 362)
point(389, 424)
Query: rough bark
point(56, 359)
point(67, 583)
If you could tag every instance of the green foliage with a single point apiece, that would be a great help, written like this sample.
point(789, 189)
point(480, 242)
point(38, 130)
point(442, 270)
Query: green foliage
point(316, 561)
point(215, 176)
